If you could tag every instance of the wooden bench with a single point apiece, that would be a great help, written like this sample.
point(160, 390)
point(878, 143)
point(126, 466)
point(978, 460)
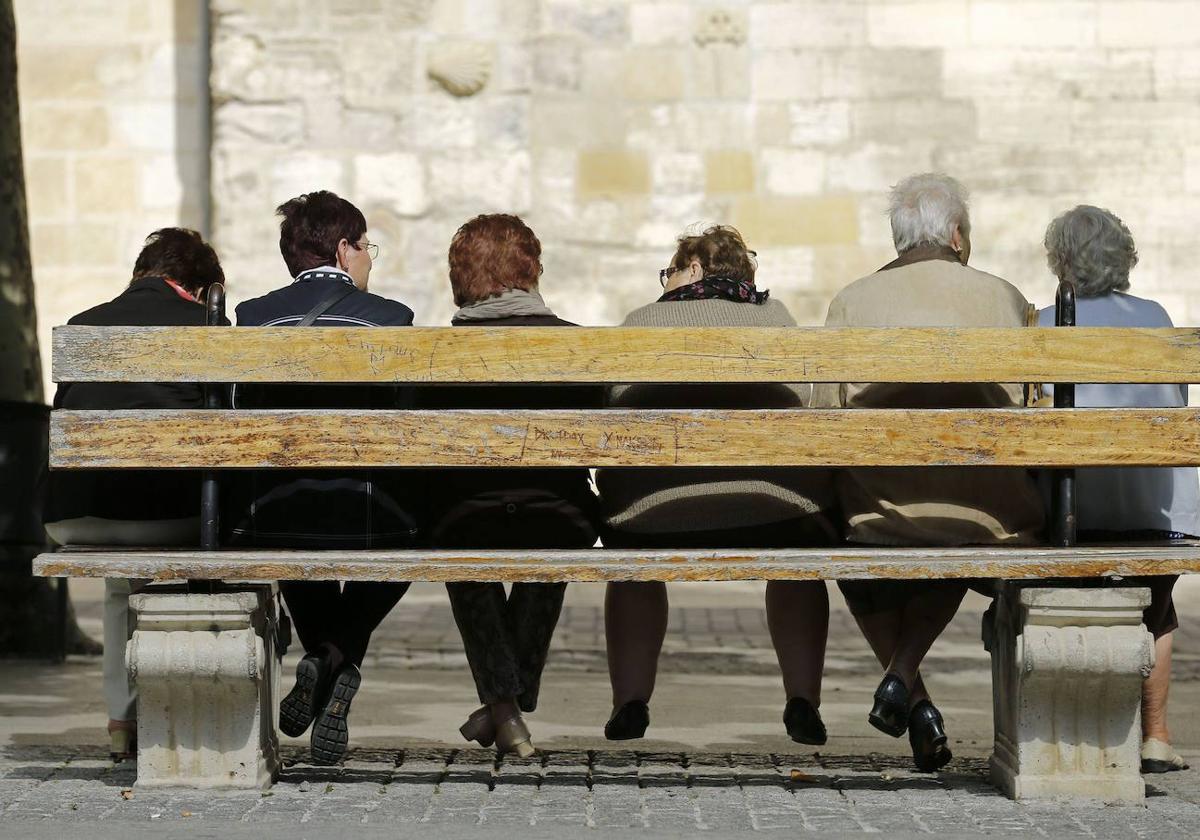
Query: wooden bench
point(1068, 661)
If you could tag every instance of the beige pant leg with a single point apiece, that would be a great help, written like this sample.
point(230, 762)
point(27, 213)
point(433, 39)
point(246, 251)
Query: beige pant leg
point(119, 694)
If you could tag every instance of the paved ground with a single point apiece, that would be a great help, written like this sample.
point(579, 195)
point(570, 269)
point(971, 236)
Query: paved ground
point(718, 760)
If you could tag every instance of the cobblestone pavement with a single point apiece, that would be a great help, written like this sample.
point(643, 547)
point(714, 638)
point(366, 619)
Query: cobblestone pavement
point(578, 789)
point(716, 762)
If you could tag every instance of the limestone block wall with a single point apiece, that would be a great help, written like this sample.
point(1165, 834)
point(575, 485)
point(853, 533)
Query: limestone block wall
point(114, 111)
point(612, 125)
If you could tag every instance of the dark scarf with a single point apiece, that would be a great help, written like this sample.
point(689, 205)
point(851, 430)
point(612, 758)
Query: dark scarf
point(718, 288)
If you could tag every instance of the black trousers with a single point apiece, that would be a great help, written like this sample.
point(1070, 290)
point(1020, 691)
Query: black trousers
point(325, 612)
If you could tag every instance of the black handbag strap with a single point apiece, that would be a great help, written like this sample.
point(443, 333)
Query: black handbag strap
point(330, 300)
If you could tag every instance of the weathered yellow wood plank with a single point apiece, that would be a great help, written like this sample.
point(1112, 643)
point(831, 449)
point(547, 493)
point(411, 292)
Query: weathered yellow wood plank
point(604, 564)
point(610, 438)
point(623, 354)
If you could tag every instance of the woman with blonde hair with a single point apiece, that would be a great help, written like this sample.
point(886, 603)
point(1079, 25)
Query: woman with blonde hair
point(710, 283)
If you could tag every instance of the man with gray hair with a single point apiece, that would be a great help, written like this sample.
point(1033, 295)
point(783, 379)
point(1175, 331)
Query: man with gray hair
point(928, 285)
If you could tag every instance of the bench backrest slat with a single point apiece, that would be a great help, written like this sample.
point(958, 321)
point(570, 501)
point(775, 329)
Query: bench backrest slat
point(633, 438)
point(619, 354)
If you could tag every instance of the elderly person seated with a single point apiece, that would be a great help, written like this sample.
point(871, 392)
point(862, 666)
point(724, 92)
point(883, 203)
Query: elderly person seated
point(1094, 250)
point(928, 285)
point(171, 278)
point(495, 264)
point(710, 283)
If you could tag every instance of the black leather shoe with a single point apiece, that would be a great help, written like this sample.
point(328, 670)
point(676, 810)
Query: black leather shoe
point(890, 712)
point(927, 735)
point(296, 712)
point(331, 732)
point(628, 722)
point(803, 722)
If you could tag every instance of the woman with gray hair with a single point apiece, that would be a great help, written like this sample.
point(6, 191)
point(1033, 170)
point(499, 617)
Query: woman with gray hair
point(1094, 250)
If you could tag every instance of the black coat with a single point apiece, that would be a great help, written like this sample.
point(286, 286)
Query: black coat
point(130, 494)
point(321, 508)
point(502, 507)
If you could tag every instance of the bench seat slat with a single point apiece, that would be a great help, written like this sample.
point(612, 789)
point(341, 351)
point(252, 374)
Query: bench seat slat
point(635, 438)
point(623, 354)
point(624, 564)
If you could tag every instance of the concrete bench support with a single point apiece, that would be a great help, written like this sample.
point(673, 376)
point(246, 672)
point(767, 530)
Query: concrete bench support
point(206, 672)
point(1067, 672)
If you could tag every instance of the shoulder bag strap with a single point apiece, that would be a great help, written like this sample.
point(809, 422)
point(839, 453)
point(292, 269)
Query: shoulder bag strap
point(331, 300)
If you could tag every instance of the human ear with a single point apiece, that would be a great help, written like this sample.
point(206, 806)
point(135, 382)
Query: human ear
point(343, 247)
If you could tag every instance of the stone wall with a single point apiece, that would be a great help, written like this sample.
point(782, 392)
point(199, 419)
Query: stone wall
point(612, 126)
point(114, 113)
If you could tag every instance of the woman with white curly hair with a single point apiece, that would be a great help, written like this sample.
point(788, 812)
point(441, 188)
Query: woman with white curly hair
point(1094, 250)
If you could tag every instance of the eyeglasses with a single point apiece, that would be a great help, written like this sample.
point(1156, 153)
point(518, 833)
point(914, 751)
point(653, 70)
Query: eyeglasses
point(371, 248)
point(665, 274)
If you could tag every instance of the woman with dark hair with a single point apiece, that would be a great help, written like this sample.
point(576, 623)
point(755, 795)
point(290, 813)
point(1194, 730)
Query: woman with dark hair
point(495, 263)
point(710, 283)
point(171, 278)
point(323, 240)
point(1094, 250)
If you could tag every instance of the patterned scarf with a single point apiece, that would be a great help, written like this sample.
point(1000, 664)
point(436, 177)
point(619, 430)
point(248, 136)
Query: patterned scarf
point(720, 288)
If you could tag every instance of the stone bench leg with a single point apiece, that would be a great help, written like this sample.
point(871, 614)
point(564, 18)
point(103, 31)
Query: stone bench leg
point(206, 672)
point(1067, 672)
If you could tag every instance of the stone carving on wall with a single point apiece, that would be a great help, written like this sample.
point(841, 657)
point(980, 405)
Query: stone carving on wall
point(720, 26)
point(462, 68)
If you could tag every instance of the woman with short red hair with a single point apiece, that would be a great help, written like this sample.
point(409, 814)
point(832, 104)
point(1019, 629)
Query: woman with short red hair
point(495, 265)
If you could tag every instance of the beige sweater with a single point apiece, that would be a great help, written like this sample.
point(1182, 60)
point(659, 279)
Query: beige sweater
point(932, 505)
point(671, 500)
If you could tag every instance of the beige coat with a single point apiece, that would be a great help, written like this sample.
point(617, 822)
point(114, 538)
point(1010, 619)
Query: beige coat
point(932, 505)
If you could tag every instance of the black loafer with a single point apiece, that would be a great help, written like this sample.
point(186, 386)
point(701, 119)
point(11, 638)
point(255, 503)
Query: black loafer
point(331, 732)
point(302, 703)
point(803, 722)
point(927, 735)
point(628, 722)
point(890, 712)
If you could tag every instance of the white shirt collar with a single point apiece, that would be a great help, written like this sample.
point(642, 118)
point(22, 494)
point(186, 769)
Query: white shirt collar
point(324, 272)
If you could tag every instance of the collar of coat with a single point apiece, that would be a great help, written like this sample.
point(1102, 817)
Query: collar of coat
point(923, 253)
point(325, 272)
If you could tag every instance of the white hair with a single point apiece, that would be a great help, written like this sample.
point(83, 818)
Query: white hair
point(925, 209)
point(1092, 248)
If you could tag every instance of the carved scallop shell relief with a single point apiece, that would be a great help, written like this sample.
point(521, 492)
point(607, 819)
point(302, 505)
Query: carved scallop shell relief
point(720, 26)
point(462, 68)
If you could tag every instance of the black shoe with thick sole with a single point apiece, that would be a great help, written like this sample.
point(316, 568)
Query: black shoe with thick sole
point(927, 735)
point(890, 712)
point(628, 722)
point(803, 722)
point(331, 733)
point(302, 703)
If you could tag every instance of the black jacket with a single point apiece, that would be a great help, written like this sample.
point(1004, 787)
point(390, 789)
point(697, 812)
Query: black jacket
point(130, 494)
point(286, 306)
point(321, 508)
point(508, 508)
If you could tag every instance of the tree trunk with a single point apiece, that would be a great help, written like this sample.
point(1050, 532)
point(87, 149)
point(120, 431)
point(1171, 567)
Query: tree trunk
point(35, 615)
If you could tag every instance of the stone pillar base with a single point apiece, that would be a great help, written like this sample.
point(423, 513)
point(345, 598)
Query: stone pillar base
point(1067, 672)
point(206, 672)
